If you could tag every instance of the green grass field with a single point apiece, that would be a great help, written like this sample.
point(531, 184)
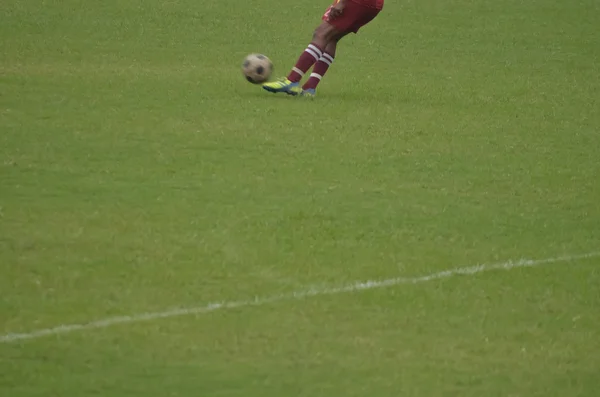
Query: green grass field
point(140, 173)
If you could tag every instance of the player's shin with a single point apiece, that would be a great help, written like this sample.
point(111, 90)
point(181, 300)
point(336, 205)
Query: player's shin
point(319, 71)
point(309, 57)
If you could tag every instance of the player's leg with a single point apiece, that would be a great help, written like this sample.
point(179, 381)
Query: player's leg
point(321, 67)
point(324, 34)
point(329, 31)
point(352, 19)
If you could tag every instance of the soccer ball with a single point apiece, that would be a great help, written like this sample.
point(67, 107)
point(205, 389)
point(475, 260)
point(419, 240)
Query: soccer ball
point(257, 68)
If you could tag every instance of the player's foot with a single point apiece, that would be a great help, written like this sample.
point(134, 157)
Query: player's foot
point(283, 85)
point(309, 93)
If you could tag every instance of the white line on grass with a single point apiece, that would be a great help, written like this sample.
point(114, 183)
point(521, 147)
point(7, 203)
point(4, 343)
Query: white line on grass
point(258, 301)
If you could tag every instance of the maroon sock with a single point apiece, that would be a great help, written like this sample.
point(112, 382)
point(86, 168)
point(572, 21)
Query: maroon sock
point(306, 60)
point(318, 71)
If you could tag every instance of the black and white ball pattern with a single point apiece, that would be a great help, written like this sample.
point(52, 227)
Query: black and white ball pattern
point(257, 68)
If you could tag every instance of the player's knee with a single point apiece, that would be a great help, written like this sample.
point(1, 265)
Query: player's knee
point(324, 34)
point(319, 35)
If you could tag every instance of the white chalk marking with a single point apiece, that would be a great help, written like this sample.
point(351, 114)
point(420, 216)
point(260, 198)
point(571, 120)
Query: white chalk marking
point(258, 301)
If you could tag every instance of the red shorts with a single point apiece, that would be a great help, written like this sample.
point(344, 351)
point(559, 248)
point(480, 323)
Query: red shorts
point(353, 18)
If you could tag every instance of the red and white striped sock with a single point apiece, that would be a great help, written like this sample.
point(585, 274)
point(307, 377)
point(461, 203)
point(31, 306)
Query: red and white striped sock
point(318, 71)
point(308, 58)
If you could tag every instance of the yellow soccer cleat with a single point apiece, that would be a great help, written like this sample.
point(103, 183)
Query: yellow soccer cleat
point(283, 85)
